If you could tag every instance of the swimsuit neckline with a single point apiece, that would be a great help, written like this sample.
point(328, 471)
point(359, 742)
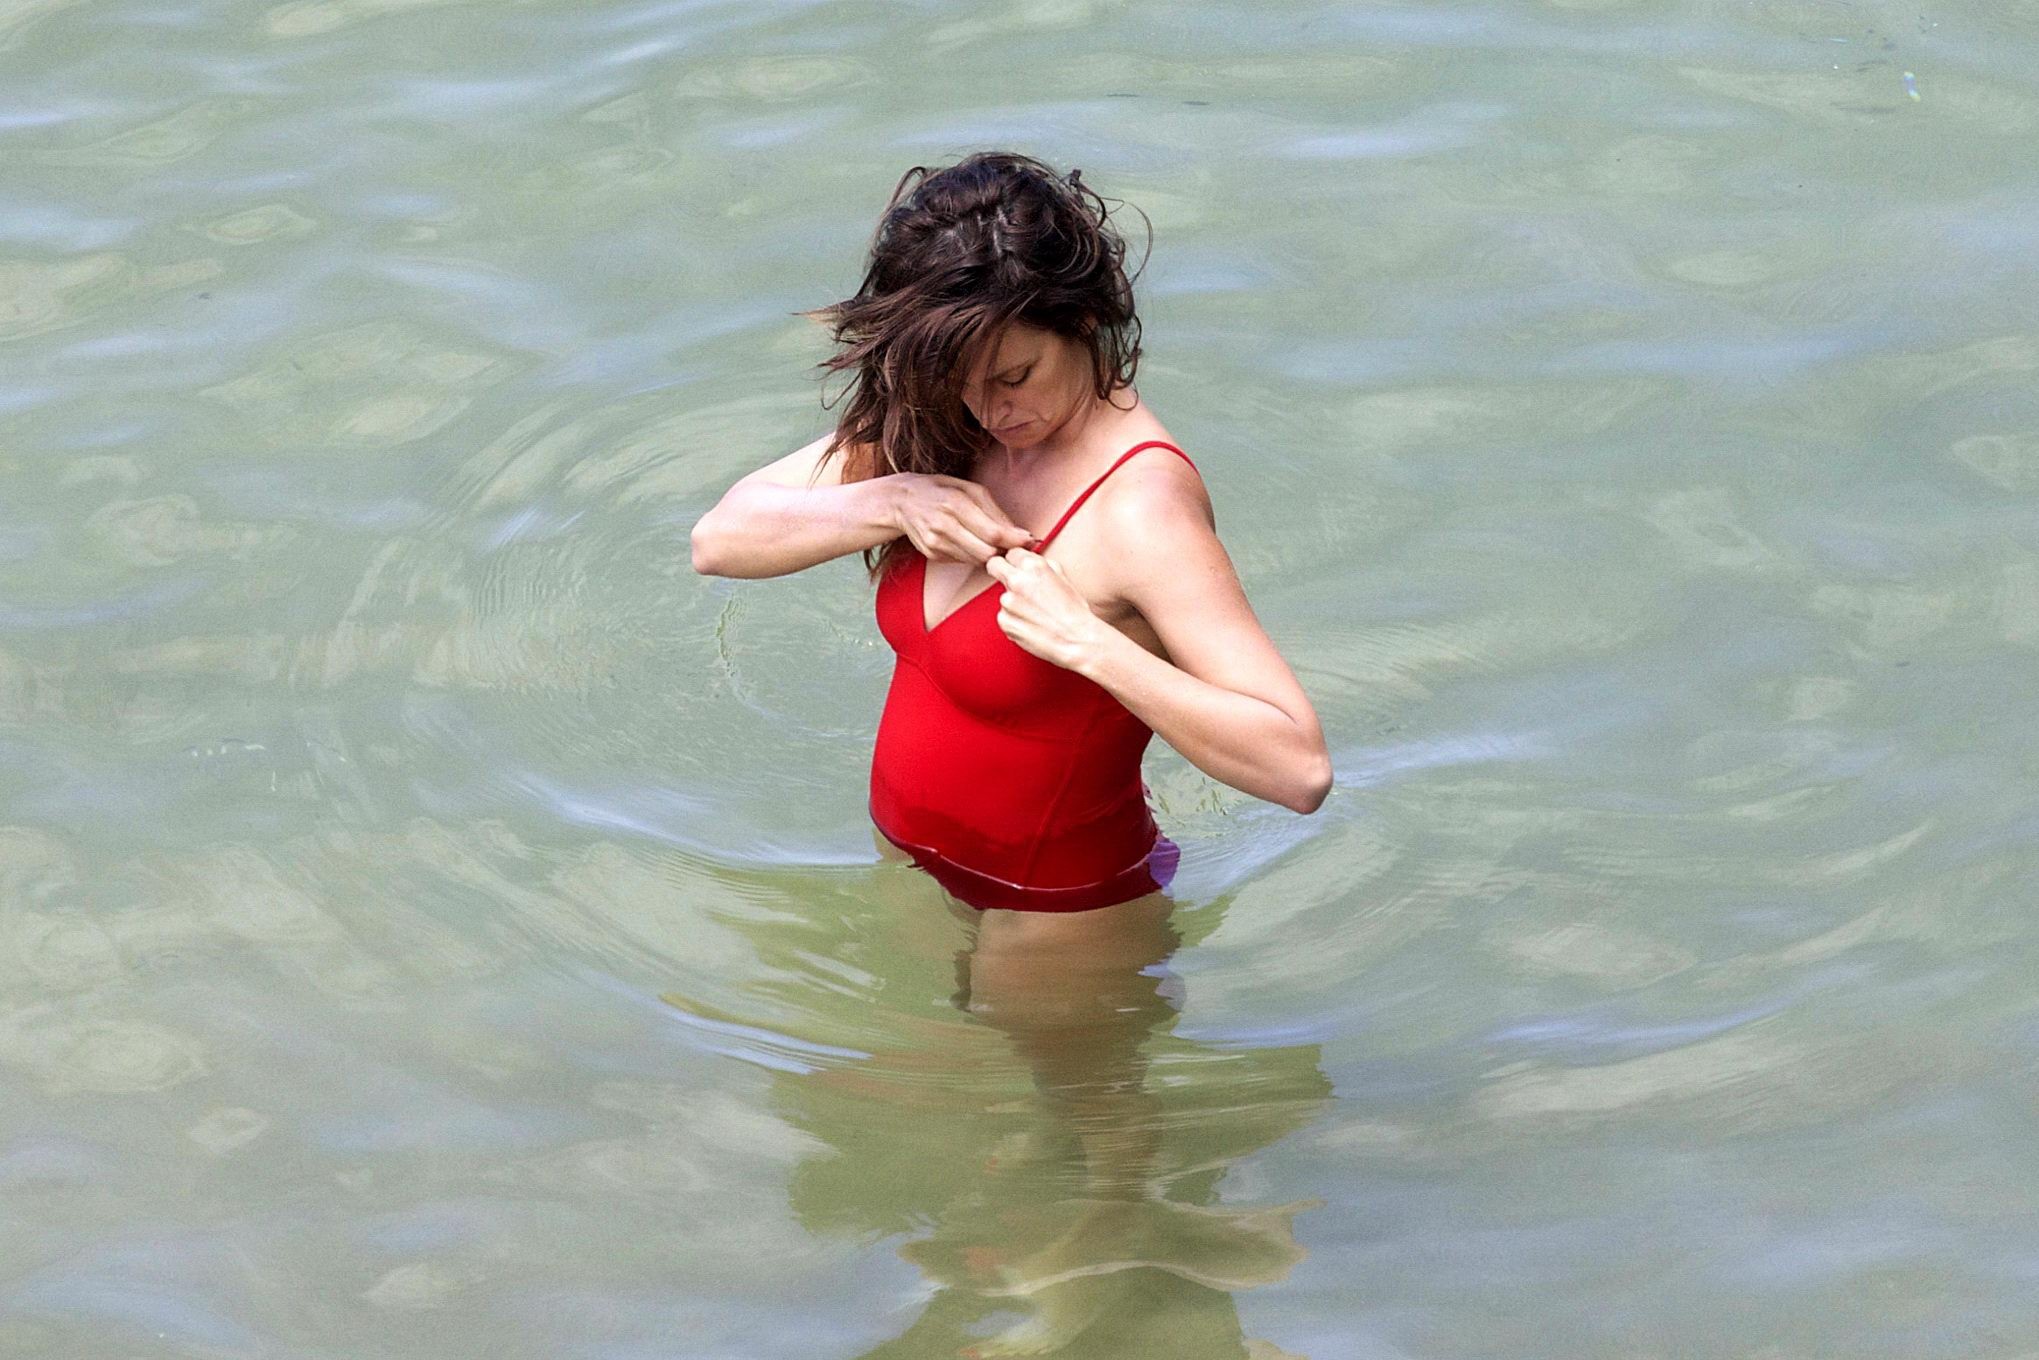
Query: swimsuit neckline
point(919, 595)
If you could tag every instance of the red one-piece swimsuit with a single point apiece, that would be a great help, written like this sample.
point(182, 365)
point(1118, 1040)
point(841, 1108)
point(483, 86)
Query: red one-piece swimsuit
point(1014, 782)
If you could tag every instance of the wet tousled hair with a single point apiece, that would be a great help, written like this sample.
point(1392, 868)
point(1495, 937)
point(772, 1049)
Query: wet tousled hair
point(960, 254)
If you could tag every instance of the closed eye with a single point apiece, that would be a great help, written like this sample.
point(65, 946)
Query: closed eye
point(1015, 382)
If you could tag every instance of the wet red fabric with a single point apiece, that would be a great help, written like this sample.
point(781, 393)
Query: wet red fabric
point(1014, 782)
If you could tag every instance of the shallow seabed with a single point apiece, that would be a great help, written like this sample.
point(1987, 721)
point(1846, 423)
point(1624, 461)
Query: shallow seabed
point(433, 922)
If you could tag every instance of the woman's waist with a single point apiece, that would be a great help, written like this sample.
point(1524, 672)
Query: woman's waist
point(1003, 802)
point(1077, 865)
point(1011, 816)
point(1016, 832)
point(992, 793)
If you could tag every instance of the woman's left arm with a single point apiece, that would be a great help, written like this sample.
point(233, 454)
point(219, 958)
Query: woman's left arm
point(1224, 697)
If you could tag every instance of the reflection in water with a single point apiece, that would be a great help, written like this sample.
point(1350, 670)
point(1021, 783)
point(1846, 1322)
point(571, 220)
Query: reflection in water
point(1051, 1158)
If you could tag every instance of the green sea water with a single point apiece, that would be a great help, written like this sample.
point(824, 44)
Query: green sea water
point(434, 922)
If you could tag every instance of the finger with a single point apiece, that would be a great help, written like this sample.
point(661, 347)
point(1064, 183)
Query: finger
point(993, 527)
point(964, 546)
point(1022, 636)
point(1022, 581)
point(1002, 530)
point(1027, 565)
point(999, 570)
point(937, 543)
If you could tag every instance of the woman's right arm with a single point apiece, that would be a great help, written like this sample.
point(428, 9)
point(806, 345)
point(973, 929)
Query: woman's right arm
point(791, 514)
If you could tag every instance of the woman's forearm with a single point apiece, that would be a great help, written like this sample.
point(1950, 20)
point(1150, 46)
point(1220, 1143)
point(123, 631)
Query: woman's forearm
point(1237, 739)
point(768, 529)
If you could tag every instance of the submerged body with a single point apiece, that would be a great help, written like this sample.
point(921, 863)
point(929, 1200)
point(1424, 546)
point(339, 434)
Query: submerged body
point(1015, 782)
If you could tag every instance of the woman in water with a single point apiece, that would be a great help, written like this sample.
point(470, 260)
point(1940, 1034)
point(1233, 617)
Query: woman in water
point(991, 349)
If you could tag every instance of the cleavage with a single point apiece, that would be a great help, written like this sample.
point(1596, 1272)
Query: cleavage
point(952, 594)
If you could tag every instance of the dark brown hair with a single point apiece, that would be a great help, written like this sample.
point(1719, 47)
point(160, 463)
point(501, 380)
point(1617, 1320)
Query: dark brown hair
point(960, 254)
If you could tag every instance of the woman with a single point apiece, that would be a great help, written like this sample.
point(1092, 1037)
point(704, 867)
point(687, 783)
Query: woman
point(992, 348)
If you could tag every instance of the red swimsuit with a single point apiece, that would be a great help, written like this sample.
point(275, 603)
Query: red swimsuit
point(1014, 782)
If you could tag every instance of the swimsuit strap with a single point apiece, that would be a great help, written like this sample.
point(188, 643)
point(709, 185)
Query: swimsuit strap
point(1077, 504)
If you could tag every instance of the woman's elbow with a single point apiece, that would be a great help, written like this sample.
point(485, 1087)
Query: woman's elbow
point(707, 549)
point(1312, 787)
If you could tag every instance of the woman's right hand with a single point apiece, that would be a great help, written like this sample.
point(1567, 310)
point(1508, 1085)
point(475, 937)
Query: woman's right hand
point(953, 520)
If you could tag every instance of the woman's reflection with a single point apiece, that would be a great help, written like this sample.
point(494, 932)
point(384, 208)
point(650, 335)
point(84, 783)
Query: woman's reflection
point(1082, 997)
point(1051, 1156)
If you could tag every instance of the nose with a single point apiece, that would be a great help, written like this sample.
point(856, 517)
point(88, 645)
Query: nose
point(986, 409)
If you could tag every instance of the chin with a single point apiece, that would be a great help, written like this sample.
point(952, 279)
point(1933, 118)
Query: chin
point(1034, 433)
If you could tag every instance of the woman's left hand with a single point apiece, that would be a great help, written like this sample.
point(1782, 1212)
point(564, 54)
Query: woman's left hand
point(1043, 613)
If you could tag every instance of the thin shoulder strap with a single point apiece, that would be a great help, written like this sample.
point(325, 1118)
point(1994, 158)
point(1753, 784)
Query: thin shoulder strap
point(1124, 458)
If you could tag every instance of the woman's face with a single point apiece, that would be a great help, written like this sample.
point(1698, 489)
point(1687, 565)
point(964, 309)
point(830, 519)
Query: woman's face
point(1030, 386)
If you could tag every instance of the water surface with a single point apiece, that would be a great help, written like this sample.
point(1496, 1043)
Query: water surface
point(437, 923)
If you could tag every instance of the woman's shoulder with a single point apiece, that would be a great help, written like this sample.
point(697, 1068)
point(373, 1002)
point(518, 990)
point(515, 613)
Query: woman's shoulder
point(1155, 487)
point(1154, 520)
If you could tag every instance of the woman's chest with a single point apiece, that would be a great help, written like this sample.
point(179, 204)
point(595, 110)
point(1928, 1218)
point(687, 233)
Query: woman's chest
point(969, 658)
point(948, 587)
